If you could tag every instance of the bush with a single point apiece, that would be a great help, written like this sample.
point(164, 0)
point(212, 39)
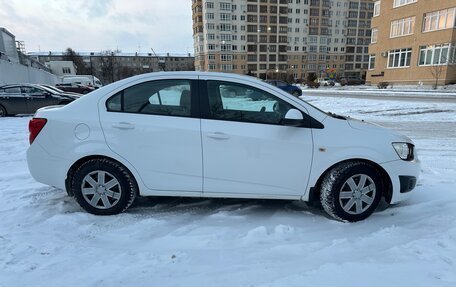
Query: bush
point(383, 85)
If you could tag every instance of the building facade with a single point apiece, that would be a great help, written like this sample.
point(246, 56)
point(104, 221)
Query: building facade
point(413, 42)
point(295, 38)
point(113, 66)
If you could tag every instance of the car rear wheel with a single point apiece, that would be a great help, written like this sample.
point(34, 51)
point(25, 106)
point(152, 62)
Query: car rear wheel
point(295, 93)
point(2, 112)
point(351, 191)
point(103, 187)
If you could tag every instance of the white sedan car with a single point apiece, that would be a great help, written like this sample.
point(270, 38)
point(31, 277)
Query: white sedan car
point(215, 135)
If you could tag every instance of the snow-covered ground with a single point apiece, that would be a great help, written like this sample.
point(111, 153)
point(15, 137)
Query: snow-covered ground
point(47, 240)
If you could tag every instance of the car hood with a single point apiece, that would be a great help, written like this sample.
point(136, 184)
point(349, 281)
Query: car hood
point(368, 126)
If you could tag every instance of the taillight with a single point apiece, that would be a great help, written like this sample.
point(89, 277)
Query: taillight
point(35, 126)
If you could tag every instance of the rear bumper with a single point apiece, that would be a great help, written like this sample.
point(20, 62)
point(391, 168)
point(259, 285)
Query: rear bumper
point(403, 175)
point(46, 168)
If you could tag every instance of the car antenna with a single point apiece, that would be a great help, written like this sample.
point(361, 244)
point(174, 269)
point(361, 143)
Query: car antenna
point(159, 64)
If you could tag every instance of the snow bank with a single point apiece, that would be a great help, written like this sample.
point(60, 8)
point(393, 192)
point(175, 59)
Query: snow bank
point(46, 240)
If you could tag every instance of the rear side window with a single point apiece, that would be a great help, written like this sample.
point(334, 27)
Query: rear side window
point(12, 90)
point(165, 97)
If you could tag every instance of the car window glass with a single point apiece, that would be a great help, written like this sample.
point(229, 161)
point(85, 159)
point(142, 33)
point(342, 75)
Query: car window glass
point(114, 103)
point(235, 102)
point(33, 91)
point(166, 97)
point(13, 90)
point(281, 84)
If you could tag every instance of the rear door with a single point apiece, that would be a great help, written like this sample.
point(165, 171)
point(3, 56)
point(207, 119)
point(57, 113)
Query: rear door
point(13, 100)
point(155, 127)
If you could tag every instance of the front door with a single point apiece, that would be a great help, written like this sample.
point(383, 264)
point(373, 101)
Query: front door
point(154, 126)
point(247, 150)
point(36, 98)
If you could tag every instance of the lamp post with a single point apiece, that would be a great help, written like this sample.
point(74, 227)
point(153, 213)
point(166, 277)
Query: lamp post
point(258, 53)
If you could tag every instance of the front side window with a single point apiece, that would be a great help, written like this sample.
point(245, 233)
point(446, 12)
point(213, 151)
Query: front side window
point(33, 91)
point(236, 102)
point(164, 97)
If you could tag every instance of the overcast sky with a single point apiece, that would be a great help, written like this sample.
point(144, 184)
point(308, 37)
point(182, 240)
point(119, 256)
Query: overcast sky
point(96, 25)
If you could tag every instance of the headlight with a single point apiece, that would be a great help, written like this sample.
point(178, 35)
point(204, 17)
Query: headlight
point(404, 150)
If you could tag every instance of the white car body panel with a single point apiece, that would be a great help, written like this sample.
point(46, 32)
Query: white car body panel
point(255, 158)
point(256, 161)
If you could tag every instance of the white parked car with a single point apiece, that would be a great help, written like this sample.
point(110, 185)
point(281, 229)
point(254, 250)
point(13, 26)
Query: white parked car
point(215, 135)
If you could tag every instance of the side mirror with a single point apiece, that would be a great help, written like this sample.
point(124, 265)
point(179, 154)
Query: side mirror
point(293, 118)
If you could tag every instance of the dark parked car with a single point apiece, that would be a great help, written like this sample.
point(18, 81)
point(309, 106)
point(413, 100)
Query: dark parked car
point(351, 81)
point(76, 88)
point(292, 89)
point(27, 98)
point(55, 89)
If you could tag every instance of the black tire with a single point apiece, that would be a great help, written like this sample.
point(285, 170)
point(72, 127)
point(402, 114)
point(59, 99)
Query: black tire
point(2, 112)
point(296, 94)
point(338, 198)
point(120, 196)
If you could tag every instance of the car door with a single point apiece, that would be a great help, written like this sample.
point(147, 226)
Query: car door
point(36, 98)
point(246, 149)
point(13, 100)
point(155, 127)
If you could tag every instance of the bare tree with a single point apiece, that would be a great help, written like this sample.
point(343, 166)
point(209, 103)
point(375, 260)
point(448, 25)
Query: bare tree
point(71, 55)
point(436, 71)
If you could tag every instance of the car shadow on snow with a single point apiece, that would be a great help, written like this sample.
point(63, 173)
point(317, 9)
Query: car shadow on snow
point(207, 206)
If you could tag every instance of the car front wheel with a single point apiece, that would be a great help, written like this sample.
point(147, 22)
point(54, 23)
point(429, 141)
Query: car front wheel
point(103, 187)
point(351, 191)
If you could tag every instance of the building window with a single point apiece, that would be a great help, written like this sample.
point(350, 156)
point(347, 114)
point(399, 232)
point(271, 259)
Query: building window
point(225, 57)
point(210, 16)
point(398, 3)
point(440, 54)
point(374, 35)
point(225, 6)
point(377, 8)
point(66, 70)
point(210, 5)
point(225, 17)
point(399, 58)
point(439, 20)
point(371, 62)
point(402, 27)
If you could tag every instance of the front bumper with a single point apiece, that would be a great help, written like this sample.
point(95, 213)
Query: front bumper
point(403, 175)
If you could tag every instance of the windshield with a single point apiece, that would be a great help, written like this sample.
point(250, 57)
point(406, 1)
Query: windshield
point(53, 88)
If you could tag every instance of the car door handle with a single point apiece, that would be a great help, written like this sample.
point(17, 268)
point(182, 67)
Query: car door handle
point(218, 136)
point(123, 126)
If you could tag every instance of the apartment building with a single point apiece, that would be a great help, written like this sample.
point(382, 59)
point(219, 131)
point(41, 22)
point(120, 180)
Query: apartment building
point(413, 42)
point(277, 38)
